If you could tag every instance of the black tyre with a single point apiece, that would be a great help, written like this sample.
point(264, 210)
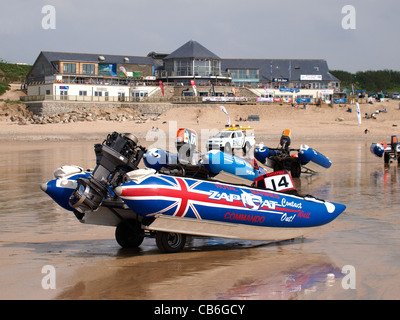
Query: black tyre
point(295, 169)
point(129, 234)
point(246, 148)
point(228, 148)
point(169, 242)
point(386, 157)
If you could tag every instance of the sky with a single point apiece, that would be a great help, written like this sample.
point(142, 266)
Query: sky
point(364, 37)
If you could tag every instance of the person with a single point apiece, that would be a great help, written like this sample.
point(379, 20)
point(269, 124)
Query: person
point(370, 100)
point(197, 119)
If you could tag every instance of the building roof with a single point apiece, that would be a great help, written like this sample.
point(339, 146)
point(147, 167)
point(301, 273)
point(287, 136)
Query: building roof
point(192, 49)
point(93, 57)
point(290, 69)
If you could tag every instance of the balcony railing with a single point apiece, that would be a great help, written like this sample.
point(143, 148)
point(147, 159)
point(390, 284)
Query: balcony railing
point(109, 99)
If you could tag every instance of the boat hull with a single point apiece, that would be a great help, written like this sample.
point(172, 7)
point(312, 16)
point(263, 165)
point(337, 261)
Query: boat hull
point(159, 195)
point(61, 188)
point(202, 207)
point(209, 228)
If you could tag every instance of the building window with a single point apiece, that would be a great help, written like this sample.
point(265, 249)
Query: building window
point(315, 85)
point(253, 74)
point(215, 67)
point(88, 68)
point(184, 68)
point(83, 93)
point(244, 74)
point(98, 93)
point(69, 68)
point(201, 67)
point(63, 94)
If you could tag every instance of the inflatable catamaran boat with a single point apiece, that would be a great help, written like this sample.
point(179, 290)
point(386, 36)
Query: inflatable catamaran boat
point(145, 202)
point(283, 157)
point(389, 151)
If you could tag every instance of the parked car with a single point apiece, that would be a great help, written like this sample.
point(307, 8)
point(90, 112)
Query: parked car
point(232, 138)
point(395, 95)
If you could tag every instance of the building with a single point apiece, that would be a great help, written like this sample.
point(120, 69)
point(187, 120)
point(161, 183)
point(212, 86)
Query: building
point(100, 77)
point(193, 61)
point(281, 73)
point(81, 75)
point(288, 79)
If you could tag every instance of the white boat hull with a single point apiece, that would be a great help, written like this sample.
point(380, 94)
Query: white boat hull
point(209, 228)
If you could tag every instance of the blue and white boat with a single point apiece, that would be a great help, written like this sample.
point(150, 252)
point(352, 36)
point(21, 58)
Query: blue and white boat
point(389, 151)
point(144, 202)
point(282, 157)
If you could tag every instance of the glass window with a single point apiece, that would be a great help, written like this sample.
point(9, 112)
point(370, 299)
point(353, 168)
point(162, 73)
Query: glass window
point(223, 134)
point(234, 74)
point(201, 67)
point(253, 74)
point(83, 93)
point(69, 68)
point(244, 74)
point(215, 67)
point(183, 68)
point(88, 68)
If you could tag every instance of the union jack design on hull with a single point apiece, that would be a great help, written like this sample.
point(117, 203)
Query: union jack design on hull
point(206, 200)
point(179, 192)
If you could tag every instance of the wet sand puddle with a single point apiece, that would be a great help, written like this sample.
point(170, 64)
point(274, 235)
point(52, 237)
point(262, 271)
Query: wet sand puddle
point(89, 264)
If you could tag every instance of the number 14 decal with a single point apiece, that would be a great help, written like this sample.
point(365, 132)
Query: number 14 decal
point(279, 181)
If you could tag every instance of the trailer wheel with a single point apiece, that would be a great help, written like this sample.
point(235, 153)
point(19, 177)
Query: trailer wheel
point(386, 157)
point(129, 234)
point(169, 242)
point(295, 170)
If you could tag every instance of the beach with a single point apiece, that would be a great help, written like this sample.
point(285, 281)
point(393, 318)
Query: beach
point(313, 121)
point(89, 263)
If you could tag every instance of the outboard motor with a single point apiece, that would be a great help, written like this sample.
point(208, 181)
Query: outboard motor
point(285, 141)
point(393, 144)
point(186, 145)
point(117, 155)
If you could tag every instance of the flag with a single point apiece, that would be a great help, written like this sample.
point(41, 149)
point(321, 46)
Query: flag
point(358, 113)
point(223, 109)
point(194, 87)
point(161, 86)
point(226, 112)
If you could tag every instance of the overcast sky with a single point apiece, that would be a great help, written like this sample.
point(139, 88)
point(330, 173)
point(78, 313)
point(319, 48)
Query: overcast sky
point(306, 29)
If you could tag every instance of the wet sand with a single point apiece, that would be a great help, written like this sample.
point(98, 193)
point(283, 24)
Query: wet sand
point(89, 264)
